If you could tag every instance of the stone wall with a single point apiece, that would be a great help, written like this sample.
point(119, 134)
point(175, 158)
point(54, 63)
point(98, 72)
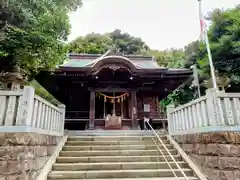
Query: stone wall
point(217, 154)
point(22, 155)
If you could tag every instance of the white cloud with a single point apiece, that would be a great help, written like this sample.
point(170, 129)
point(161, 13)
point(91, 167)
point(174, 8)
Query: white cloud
point(161, 23)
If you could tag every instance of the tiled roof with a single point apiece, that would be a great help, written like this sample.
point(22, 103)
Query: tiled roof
point(78, 63)
point(88, 60)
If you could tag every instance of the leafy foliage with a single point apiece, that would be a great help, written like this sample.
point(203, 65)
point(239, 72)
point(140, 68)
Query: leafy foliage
point(95, 43)
point(190, 53)
point(91, 44)
point(126, 43)
point(99, 43)
point(224, 37)
point(32, 33)
point(180, 96)
point(41, 91)
point(173, 58)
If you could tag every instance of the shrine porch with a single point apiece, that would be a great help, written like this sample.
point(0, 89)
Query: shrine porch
point(82, 124)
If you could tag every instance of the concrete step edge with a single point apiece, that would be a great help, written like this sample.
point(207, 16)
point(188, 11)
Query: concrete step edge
point(116, 171)
point(73, 157)
point(112, 163)
point(112, 137)
point(105, 147)
point(153, 178)
point(119, 142)
point(118, 145)
point(125, 150)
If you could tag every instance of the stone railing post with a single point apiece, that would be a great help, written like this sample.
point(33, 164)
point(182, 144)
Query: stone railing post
point(24, 117)
point(214, 108)
point(62, 108)
point(170, 119)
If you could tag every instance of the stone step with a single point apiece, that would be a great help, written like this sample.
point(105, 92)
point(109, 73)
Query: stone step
point(152, 178)
point(117, 153)
point(112, 133)
point(115, 138)
point(108, 174)
point(92, 159)
point(113, 147)
point(140, 142)
point(117, 165)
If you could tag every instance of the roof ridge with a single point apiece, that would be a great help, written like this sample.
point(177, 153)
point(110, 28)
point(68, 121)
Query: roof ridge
point(109, 52)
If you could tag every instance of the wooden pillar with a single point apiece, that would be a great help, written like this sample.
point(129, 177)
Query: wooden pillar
point(122, 109)
point(114, 105)
point(129, 108)
point(92, 110)
point(134, 109)
point(104, 108)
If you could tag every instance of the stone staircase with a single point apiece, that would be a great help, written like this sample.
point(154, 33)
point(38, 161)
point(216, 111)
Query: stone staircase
point(133, 156)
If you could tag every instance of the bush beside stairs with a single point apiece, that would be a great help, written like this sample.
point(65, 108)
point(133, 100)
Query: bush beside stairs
point(118, 157)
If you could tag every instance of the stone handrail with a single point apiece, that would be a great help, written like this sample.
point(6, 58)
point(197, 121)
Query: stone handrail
point(9, 103)
point(217, 111)
point(23, 111)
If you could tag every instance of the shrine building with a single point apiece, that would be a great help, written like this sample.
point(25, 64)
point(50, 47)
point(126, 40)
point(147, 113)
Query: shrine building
point(111, 91)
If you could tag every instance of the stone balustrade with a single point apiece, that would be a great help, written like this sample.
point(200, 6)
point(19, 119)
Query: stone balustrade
point(23, 111)
point(215, 112)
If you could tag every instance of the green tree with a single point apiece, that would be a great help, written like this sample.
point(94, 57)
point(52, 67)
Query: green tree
point(99, 43)
point(127, 44)
point(41, 91)
point(93, 43)
point(33, 33)
point(190, 53)
point(172, 58)
point(224, 37)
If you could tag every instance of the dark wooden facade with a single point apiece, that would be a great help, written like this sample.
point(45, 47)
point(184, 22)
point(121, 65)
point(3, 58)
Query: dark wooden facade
point(77, 82)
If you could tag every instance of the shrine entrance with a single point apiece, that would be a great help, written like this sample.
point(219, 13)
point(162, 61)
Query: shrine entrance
point(112, 108)
point(111, 103)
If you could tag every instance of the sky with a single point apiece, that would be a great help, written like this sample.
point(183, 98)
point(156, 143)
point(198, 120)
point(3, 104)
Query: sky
point(162, 24)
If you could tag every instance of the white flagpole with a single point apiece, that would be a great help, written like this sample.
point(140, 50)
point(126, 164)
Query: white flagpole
point(207, 46)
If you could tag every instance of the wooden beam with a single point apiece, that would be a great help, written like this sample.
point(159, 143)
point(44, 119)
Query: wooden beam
point(113, 90)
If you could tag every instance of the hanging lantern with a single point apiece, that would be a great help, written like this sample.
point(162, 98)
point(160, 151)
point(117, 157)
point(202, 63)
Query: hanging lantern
point(105, 99)
point(118, 100)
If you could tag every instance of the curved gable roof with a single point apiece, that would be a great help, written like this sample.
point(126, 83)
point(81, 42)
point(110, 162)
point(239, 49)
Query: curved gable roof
point(90, 60)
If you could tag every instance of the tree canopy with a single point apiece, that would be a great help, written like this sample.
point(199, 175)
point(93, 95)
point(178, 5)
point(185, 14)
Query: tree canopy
point(33, 33)
point(125, 43)
point(224, 38)
point(99, 43)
